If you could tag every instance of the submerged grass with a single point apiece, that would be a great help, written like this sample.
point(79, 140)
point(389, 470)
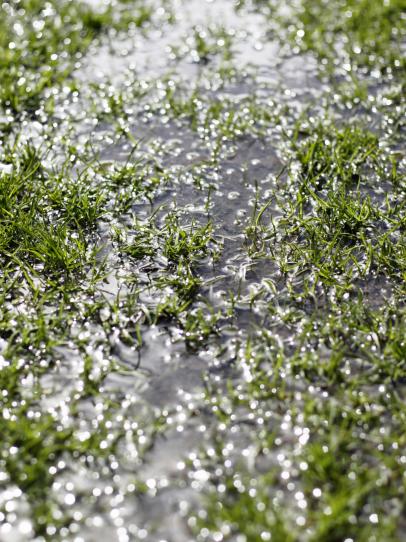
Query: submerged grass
point(298, 300)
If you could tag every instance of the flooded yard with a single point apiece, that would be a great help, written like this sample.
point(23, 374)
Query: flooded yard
point(203, 266)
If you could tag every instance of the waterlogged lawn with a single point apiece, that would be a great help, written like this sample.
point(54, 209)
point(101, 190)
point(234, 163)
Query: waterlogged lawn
point(202, 271)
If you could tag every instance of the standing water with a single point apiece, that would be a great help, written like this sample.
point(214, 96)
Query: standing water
point(202, 210)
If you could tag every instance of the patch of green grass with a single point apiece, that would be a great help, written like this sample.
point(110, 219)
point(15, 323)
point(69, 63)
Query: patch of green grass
point(343, 463)
point(351, 35)
point(179, 245)
point(205, 45)
point(364, 34)
point(42, 222)
point(41, 41)
point(185, 245)
point(334, 229)
point(174, 252)
point(245, 510)
point(221, 120)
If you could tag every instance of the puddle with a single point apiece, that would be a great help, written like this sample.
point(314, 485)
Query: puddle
point(206, 124)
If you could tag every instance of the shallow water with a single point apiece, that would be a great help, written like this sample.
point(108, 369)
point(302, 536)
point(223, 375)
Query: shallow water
point(163, 374)
point(147, 487)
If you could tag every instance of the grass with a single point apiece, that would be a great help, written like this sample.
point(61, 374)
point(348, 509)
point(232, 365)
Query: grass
point(366, 35)
point(334, 230)
point(128, 261)
point(205, 45)
point(29, 196)
point(41, 43)
point(344, 35)
point(341, 469)
point(173, 253)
